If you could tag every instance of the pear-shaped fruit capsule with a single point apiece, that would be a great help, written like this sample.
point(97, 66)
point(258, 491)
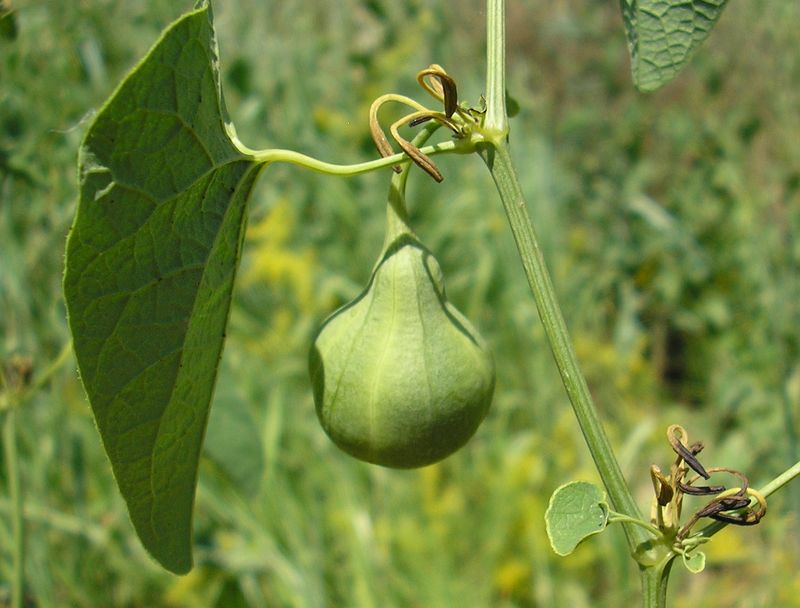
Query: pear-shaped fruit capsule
point(400, 377)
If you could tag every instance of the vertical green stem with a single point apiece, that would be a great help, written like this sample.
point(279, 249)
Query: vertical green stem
point(12, 472)
point(654, 583)
point(498, 160)
point(493, 148)
point(654, 579)
point(495, 123)
point(396, 212)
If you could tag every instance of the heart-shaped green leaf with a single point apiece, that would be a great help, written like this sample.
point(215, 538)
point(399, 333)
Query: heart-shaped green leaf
point(662, 34)
point(150, 264)
point(577, 510)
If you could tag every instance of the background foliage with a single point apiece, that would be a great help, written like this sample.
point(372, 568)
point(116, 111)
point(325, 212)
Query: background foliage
point(669, 223)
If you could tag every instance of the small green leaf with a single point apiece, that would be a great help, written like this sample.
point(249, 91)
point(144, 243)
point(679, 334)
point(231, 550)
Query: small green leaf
point(662, 34)
point(150, 264)
point(695, 563)
point(577, 510)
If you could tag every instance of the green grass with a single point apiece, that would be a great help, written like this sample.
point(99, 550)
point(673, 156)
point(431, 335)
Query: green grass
point(669, 222)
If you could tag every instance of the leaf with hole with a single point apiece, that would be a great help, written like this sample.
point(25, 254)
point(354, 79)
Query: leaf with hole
point(663, 34)
point(150, 264)
point(577, 510)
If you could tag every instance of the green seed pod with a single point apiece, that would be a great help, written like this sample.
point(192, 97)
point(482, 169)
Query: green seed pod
point(400, 377)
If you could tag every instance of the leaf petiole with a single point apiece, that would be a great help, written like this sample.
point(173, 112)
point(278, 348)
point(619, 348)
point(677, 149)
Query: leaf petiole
point(277, 155)
point(614, 517)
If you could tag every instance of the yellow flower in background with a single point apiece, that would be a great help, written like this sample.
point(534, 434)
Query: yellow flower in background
point(278, 270)
point(273, 261)
point(512, 576)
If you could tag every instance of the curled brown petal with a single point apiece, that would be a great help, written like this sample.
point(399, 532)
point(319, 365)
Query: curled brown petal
point(661, 486)
point(743, 481)
point(378, 136)
point(677, 437)
point(433, 87)
point(700, 490)
point(442, 88)
point(423, 161)
point(751, 516)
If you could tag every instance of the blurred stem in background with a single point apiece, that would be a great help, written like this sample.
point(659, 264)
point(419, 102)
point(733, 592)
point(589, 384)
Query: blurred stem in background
point(16, 388)
point(15, 495)
point(792, 449)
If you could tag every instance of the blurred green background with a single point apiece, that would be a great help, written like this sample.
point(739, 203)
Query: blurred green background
point(670, 223)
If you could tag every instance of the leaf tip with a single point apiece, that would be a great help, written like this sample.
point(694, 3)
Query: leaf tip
point(647, 86)
point(177, 561)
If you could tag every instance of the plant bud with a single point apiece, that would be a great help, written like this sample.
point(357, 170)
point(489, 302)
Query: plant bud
point(400, 377)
